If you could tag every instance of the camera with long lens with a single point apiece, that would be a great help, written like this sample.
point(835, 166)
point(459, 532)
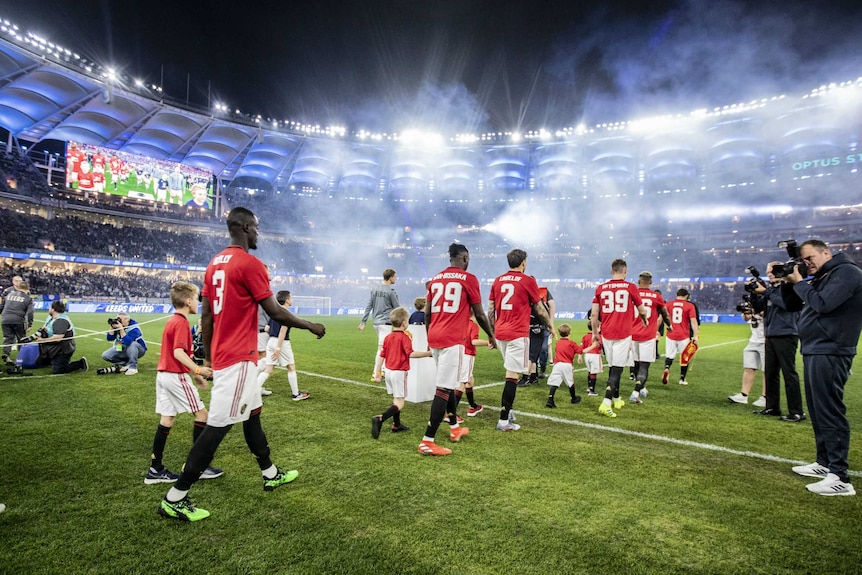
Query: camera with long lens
point(794, 263)
point(755, 280)
point(747, 307)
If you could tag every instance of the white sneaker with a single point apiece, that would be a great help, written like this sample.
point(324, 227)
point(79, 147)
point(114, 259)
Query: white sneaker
point(635, 398)
point(738, 398)
point(131, 371)
point(511, 415)
point(761, 401)
point(831, 485)
point(507, 426)
point(300, 396)
point(811, 470)
point(644, 392)
point(264, 392)
point(683, 382)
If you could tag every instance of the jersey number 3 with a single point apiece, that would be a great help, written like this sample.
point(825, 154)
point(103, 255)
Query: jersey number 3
point(218, 284)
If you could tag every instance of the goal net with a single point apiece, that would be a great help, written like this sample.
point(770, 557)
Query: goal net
point(312, 305)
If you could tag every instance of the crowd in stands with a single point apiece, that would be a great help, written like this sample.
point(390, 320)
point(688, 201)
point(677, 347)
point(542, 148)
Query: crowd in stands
point(78, 283)
point(341, 259)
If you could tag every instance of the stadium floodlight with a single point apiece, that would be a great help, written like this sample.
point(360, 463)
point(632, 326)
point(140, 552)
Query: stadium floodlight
point(427, 140)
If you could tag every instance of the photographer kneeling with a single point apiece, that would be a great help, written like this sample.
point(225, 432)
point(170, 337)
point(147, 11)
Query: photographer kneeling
point(57, 342)
point(129, 345)
point(829, 327)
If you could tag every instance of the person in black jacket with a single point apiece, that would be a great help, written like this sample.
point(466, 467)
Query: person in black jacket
point(829, 326)
point(57, 342)
point(782, 340)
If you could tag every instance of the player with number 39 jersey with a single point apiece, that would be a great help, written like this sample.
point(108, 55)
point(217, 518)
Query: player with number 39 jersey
point(616, 302)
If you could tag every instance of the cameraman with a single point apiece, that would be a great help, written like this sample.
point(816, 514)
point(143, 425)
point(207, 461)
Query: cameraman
point(129, 345)
point(829, 327)
point(754, 354)
point(57, 342)
point(782, 340)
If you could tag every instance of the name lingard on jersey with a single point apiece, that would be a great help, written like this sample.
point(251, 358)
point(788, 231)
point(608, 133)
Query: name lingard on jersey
point(511, 278)
point(451, 276)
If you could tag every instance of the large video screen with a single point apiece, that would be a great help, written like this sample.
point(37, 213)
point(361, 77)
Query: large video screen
point(103, 171)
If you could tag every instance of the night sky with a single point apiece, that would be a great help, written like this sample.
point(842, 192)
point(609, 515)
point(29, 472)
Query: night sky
point(462, 65)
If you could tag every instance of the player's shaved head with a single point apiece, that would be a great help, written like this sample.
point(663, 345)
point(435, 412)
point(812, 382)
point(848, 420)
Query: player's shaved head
point(242, 227)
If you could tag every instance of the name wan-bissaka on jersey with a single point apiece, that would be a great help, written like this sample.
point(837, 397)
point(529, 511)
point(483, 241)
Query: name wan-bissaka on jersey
point(450, 276)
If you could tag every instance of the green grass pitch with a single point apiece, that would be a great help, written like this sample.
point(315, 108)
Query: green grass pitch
point(685, 483)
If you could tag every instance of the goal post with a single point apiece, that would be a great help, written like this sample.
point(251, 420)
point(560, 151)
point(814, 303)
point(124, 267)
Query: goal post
point(311, 305)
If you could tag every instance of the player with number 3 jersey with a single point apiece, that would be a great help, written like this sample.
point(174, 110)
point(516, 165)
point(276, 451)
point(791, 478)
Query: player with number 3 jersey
point(235, 283)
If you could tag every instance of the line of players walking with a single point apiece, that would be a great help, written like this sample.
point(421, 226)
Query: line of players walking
point(624, 325)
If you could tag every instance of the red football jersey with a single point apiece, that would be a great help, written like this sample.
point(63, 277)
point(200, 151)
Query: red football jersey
point(74, 157)
point(565, 350)
point(682, 314)
point(618, 300)
point(472, 333)
point(397, 347)
point(234, 283)
point(513, 295)
point(653, 302)
point(451, 294)
point(587, 341)
point(85, 181)
point(177, 334)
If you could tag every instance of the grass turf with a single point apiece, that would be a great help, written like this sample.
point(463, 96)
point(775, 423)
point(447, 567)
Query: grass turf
point(685, 483)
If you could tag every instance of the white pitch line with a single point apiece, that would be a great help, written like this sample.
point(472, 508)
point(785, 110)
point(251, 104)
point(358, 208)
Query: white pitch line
point(596, 426)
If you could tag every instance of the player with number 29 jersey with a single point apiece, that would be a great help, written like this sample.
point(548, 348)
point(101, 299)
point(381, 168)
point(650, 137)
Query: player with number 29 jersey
point(451, 294)
point(235, 309)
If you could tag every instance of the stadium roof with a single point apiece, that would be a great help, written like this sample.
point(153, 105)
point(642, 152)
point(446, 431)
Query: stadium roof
point(46, 94)
point(40, 99)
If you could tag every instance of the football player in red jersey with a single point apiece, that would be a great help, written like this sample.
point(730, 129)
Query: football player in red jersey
point(613, 309)
point(683, 319)
point(514, 296)
point(452, 293)
point(74, 157)
point(643, 335)
point(235, 283)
